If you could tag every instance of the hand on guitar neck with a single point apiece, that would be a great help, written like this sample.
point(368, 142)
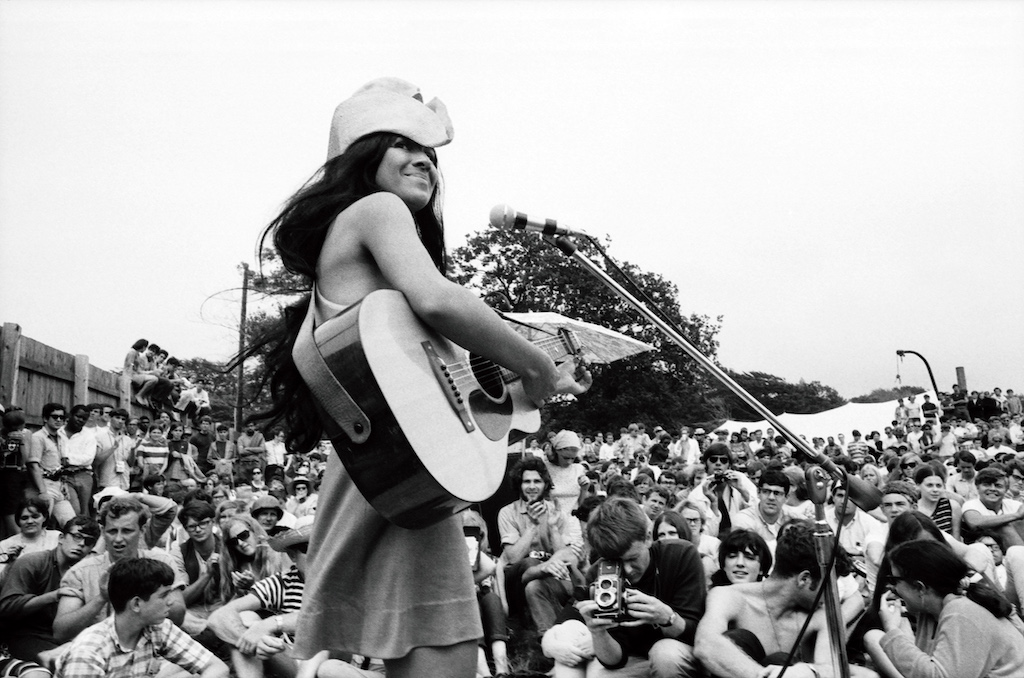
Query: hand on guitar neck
point(570, 377)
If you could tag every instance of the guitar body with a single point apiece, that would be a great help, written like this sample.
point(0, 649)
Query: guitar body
point(440, 422)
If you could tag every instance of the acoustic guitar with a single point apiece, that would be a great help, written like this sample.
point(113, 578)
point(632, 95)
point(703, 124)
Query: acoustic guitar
point(441, 420)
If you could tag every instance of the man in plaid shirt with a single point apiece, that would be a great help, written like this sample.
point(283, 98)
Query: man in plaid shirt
point(138, 638)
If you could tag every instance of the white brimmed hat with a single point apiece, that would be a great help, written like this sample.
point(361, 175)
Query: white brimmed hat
point(389, 105)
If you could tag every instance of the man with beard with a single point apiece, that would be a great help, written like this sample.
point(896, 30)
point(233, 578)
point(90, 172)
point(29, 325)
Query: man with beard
point(84, 599)
point(748, 628)
point(28, 601)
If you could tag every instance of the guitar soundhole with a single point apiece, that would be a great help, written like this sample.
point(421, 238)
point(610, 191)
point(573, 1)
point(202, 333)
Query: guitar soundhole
point(488, 375)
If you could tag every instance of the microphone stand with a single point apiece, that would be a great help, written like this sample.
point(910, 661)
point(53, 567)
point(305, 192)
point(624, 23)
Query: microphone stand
point(836, 627)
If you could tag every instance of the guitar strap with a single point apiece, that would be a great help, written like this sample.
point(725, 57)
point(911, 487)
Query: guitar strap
point(331, 395)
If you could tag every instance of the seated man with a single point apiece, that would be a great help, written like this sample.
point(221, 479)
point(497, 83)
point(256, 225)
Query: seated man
point(663, 597)
point(128, 643)
point(28, 600)
point(747, 627)
point(198, 556)
point(83, 590)
point(724, 492)
point(993, 510)
point(537, 546)
point(766, 518)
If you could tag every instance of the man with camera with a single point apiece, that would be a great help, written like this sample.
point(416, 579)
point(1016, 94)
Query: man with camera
point(647, 598)
point(725, 491)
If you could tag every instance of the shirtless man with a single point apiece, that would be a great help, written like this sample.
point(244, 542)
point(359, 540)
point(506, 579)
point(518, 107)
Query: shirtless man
point(747, 628)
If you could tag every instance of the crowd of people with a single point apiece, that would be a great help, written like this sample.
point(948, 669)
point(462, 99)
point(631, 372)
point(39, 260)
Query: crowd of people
point(679, 553)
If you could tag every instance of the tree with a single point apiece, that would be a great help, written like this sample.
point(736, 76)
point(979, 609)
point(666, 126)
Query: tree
point(520, 274)
point(884, 395)
point(777, 394)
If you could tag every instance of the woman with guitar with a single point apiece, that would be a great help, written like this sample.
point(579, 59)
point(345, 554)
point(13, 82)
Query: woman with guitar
point(370, 220)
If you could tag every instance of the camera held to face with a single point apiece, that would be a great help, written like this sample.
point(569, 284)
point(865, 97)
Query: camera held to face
point(609, 591)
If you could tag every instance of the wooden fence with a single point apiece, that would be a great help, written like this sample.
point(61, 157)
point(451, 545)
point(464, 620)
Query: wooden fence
point(33, 374)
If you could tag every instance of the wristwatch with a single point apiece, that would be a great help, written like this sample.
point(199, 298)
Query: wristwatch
point(670, 622)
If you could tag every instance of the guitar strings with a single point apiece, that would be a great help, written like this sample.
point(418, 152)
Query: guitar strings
point(486, 372)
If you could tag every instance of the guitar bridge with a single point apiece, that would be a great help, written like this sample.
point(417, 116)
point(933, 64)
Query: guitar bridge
point(448, 386)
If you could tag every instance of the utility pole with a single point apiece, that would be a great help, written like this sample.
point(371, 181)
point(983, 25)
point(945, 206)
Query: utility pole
point(240, 390)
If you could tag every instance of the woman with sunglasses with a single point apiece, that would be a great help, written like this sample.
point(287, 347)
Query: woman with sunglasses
point(245, 557)
point(963, 623)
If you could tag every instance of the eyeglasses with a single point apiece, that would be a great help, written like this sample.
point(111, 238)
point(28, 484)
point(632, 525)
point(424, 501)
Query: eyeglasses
point(80, 538)
point(719, 460)
point(240, 537)
point(257, 473)
point(201, 525)
point(908, 464)
point(58, 417)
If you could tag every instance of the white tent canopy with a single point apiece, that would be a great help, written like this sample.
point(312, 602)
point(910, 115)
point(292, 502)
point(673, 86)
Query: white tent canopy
point(864, 417)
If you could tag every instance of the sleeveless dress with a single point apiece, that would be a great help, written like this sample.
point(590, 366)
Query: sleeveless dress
point(376, 589)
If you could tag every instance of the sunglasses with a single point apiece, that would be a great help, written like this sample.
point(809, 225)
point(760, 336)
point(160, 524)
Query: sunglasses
point(240, 537)
point(908, 464)
point(58, 417)
point(719, 460)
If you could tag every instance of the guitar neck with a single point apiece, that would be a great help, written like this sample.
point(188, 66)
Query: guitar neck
point(556, 347)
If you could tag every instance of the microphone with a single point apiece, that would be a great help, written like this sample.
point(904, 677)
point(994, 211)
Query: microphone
point(507, 219)
point(861, 492)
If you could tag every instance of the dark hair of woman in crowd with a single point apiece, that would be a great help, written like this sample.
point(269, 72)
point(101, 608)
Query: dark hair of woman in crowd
point(298, 235)
point(674, 519)
point(936, 566)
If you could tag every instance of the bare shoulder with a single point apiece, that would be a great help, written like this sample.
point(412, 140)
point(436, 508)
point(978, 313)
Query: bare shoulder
point(729, 601)
point(382, 205)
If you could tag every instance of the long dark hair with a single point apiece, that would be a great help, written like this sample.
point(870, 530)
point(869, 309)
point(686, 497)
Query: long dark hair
point(298, 235)
point(935, 565)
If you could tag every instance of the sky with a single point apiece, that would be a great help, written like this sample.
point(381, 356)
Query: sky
point(838, 180)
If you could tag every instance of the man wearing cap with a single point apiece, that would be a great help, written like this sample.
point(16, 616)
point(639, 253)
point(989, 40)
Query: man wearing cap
point(301, 499)
point(268, 512)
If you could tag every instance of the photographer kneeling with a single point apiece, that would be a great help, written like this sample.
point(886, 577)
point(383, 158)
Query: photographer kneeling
point(649, 597)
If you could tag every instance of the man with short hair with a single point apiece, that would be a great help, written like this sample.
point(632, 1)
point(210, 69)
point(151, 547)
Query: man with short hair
point(898, 497)
point(80, 451)
point(537, 542)
point(857, 449)
point(929, 410)
point(657, 500)
point(84, 600)
point(114, 451)
point(46, 459)
point(766, 518)
point(31, 590)
point(993, 510)
point(664, 596)
point(125, 645)
point(251, 449)
point(961, 483)
point(749, 627)
point(203, 439)
point(198, 556)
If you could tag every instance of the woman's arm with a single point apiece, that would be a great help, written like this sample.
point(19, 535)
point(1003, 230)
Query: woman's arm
point(379, 229)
